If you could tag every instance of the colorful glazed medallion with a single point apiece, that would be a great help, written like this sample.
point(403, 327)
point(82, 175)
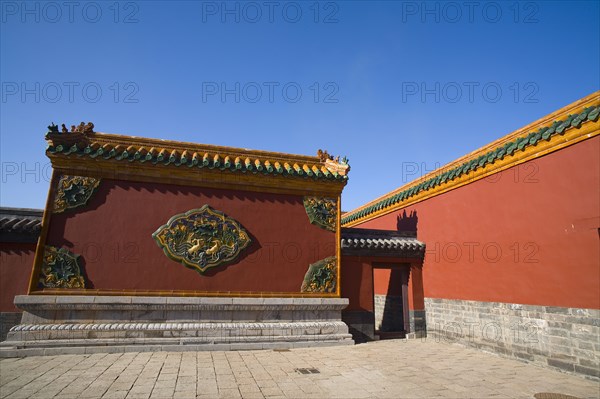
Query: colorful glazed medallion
point(321, 212)
point(60, 269)
point(202, 238)
point(73, 192)
point(321, 276)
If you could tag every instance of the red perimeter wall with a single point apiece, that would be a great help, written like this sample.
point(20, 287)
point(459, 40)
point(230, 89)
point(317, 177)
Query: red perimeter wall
point(113, 233)
point(387, 281)
point(16, 260)
point(527, 235)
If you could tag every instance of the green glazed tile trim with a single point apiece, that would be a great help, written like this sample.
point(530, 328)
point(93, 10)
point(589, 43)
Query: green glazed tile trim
point(520, 143)
point(210, 161)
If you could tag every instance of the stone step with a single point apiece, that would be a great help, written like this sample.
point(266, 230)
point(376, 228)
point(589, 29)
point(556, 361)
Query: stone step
point(66, 341)
point(7, 352)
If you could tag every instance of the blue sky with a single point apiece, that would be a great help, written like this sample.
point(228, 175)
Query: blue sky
point(397, 87)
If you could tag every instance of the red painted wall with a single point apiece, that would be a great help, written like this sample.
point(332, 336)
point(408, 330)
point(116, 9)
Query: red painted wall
point(113, 233)
point(357, 283)
point(526, 235)
point(387, 281)
point(16, 260)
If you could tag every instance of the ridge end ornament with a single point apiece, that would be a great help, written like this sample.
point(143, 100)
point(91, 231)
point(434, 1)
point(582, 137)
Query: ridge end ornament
point(202, 238)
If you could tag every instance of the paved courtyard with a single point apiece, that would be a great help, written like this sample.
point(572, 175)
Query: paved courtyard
point(384, 369)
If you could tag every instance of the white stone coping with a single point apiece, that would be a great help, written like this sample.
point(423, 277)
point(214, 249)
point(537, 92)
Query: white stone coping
point(91, 302)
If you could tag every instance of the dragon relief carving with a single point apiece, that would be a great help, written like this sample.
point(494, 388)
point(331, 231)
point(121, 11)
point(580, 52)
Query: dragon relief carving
point(202, 238)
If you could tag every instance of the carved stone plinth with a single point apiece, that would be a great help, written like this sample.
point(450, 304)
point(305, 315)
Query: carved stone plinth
point(88, 324)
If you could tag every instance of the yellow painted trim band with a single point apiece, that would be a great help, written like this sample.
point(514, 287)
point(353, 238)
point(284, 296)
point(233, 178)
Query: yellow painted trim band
point(228, 294)
point(571, 136)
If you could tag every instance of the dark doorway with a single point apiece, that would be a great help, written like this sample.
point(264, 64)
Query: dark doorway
point(390, 287)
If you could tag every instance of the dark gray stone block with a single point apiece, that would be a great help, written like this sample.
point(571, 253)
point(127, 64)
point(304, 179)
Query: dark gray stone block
point(556, 309)
point(561, 365)
point(7, 321)
point(525, 356)
point(360, 325)
point(590, 371)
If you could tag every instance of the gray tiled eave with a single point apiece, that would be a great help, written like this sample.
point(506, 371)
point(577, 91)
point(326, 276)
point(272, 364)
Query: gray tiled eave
point(20, 224)
point(369, 242)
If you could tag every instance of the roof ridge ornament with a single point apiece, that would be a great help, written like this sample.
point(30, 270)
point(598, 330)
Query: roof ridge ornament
point(78, 134)
point(81, 128)
point(334, 164)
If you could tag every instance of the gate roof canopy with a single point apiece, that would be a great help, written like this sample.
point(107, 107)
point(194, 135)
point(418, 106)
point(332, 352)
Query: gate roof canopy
point(371, 242)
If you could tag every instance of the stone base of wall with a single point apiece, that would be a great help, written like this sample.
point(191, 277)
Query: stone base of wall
point(360, 325)
point(388, 313)
point(7, 321)
point(89, 324)
point(567, 339)
point(417, 324)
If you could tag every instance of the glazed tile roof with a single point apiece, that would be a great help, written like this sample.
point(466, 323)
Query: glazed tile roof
point(128, 149)
point(369, 242)
point(19, 224)
point(506, 149)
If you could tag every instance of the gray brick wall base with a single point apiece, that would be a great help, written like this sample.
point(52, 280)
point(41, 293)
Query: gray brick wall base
point(417, 324)
point(360, 325)
point(388, 313)
point(567, 339)
point(7, 321)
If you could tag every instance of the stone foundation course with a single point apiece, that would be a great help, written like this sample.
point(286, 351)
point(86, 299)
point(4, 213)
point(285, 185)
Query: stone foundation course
point(567, 339)
point(89, 324)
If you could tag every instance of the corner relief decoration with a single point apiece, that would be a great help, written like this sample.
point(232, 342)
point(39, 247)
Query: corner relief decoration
point(202, 238)
point(60, 269)
point(321, 276)
point(321, 212)
point(73, 192)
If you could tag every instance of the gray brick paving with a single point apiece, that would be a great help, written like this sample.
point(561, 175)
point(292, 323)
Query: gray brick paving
point(384, 369)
